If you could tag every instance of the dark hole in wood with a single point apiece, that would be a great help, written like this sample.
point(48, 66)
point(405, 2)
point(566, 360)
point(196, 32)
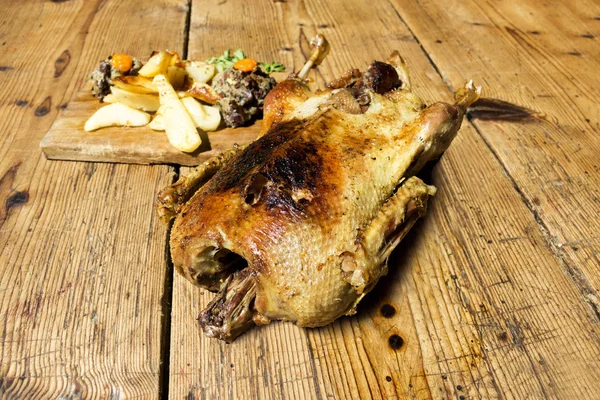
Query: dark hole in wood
point(388, 378)
point(17, 199)
point(387, 311)
point(43, 108)
point(61, 63)
point(395, 342)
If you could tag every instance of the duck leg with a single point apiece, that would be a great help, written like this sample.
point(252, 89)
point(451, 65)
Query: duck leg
point(363, 268)
point(231, 312)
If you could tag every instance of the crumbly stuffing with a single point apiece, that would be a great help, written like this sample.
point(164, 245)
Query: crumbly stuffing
point(104, 73)
point(242, 94)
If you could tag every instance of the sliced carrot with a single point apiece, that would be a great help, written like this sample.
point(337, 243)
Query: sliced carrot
point(122, 62)
point(245, 65)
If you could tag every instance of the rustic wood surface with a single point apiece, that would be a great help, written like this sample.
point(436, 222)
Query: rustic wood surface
point(493, 295)
point(82, 267)
point(544, 57)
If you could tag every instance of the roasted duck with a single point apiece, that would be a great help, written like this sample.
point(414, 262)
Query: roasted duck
point(299, 224)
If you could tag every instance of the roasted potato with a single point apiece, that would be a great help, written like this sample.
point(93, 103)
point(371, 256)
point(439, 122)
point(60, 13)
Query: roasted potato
point(157, 64)
point(176, 76)
point(135, 84)
point(158, 122)
point(175, 59)
point(109, 98)
point(204, 92)
point(179, 125)
point(206, 118)
point(200, 71)
point(116, 114)
point(145, 102)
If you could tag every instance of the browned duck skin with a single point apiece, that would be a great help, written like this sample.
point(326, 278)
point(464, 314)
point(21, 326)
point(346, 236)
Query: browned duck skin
point(171, 198)
point(298, 226)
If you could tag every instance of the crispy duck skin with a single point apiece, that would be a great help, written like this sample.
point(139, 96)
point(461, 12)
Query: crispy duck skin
point(298, 225)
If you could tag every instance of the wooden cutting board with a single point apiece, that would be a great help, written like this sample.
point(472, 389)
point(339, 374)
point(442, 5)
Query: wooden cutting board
point(67, 140)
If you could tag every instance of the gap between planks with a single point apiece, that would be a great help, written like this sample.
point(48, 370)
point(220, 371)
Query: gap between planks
point(166, 312)
point(167, 300)
point(581, 283)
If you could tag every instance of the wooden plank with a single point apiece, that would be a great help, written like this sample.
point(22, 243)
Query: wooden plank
point(82, 256)
point(67, 140)
point(482, 306)
point(545, 57)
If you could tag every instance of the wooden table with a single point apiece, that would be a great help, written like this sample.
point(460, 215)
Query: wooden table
point(494, 294)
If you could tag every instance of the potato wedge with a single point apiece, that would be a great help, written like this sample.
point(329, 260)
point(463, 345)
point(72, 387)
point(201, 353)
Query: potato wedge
point(135, 84)
point(157, 64)
point(116, 114)
point(212, 121)
point(194, 107)
point(109, 98)
point(206, 118)
point(179, 125)
point(200, 71)
point(204, 92)
point(145, 102)
point(158, 122)
point(175, 59)
point(176, 76)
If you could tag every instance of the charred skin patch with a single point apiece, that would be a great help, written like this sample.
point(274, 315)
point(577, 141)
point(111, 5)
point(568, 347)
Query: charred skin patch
point(256, 154)
point(297, 168)
point(300, 167)
point(286, 158)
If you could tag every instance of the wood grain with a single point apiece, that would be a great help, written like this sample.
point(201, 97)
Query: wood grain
point(476, 304)
point(67, 140)
point(493, 295)
point(543, 56)
point(81, 255)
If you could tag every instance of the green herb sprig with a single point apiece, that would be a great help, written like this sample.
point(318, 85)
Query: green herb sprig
point(272, 67)
point(227, 60)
